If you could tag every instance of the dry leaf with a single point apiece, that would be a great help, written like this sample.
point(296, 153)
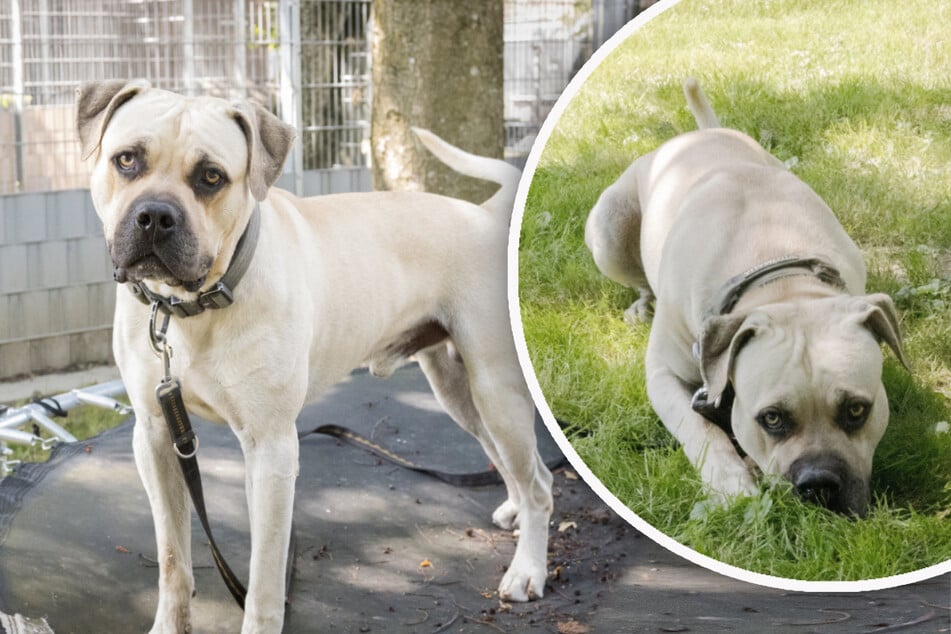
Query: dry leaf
point(572, 627)
point(425, 564)
point(566, 525)
point(122, 549)
point(570, 475)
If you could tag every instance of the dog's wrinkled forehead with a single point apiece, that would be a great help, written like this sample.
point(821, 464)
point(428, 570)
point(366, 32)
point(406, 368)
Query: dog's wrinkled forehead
point(176, 132)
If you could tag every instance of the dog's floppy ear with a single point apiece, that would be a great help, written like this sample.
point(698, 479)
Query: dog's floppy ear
point(720, 341)
point(269, 141)
point(96, 102)
point(877, 313)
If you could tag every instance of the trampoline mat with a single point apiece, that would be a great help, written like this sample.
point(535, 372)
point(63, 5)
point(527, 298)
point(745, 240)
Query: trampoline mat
point(78, 544)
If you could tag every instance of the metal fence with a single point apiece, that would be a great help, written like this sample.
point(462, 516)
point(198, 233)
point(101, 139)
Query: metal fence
point(48, 47)
point(308, 60)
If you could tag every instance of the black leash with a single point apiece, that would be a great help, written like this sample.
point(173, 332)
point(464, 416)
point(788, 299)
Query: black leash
point(477, 479)
point(185, 445)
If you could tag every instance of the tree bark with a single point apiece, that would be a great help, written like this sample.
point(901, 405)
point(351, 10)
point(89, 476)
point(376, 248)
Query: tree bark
point(436, 64)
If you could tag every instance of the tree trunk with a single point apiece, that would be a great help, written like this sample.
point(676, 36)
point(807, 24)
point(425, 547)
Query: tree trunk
point(436, 65)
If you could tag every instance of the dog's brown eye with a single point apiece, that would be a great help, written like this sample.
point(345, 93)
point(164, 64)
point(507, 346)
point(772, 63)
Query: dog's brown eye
point(126, 161)
point(212, 177)
point(852, 414)
point(774, 421)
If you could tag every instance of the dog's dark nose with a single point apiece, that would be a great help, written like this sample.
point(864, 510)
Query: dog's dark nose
point(156, 218)
point(817, 485)
point(828, 480)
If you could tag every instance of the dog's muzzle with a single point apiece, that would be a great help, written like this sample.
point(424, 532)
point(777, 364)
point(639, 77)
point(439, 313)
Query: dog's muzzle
point(826, 479)
point(155, 242)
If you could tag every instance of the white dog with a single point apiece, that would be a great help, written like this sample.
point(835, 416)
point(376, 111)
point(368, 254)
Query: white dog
point(331, 283)
point(761, 327)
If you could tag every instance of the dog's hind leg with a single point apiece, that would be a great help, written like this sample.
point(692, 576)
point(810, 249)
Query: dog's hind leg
point(450, 383)
point(613, 235)
point(508, 415)
point(488, 388)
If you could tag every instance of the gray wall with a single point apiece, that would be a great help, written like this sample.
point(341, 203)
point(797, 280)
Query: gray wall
point(57, 296)
point(56, 288)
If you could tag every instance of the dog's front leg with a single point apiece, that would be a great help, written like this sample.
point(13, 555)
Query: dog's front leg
point(168, 498)
point(271, 467)
point(706, 446)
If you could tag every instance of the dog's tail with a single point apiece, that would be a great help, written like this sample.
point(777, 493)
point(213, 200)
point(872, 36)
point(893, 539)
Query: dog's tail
point(490, 169)
point(699, 106)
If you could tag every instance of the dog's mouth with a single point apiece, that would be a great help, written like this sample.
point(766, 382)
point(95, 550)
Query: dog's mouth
point(155, 242)
point(152, 268)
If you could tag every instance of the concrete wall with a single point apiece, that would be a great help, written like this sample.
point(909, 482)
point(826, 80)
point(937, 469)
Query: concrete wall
point(57, 296)
point(56, 288)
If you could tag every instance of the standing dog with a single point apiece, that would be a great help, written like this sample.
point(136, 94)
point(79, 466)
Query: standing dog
point(333, 282)
point(761, 326)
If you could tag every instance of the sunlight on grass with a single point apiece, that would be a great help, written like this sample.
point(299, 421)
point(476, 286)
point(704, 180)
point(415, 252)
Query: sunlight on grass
point(854, 96)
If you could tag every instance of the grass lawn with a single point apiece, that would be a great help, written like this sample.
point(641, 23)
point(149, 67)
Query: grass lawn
point(855, 96)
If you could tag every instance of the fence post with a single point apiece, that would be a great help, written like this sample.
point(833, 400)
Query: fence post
point(290, 84)
point(188, 47)
point(16, 62)
point(240, 66)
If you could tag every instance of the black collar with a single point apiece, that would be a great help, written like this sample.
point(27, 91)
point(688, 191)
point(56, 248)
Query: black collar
point(221, 295)
point(718, 412)
point(772, 270)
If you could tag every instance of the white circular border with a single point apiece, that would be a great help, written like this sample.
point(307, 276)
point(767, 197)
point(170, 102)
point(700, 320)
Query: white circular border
point(528, 370)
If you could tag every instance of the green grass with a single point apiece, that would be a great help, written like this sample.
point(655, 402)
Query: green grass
point(856, 97)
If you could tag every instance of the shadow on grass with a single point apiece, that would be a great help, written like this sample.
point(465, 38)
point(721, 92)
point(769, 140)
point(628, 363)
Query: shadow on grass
point(913, 462)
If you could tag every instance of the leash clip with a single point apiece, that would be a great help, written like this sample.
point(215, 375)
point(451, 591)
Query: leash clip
point(159, 342)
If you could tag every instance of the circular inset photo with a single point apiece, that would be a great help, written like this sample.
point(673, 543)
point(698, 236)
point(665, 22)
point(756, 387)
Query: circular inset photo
point(732, 285)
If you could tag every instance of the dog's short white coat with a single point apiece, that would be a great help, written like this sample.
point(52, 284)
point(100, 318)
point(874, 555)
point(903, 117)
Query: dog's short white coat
point(336, 282)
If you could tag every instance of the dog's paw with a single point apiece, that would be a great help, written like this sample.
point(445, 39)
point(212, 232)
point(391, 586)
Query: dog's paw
point(171, 628)
point(382, 368)
point(522, 584)
point(728, 479)
point(715, 500)
point(506, 516)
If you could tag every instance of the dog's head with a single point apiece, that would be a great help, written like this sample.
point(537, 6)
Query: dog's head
point(809, 402)
point(175, 178)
